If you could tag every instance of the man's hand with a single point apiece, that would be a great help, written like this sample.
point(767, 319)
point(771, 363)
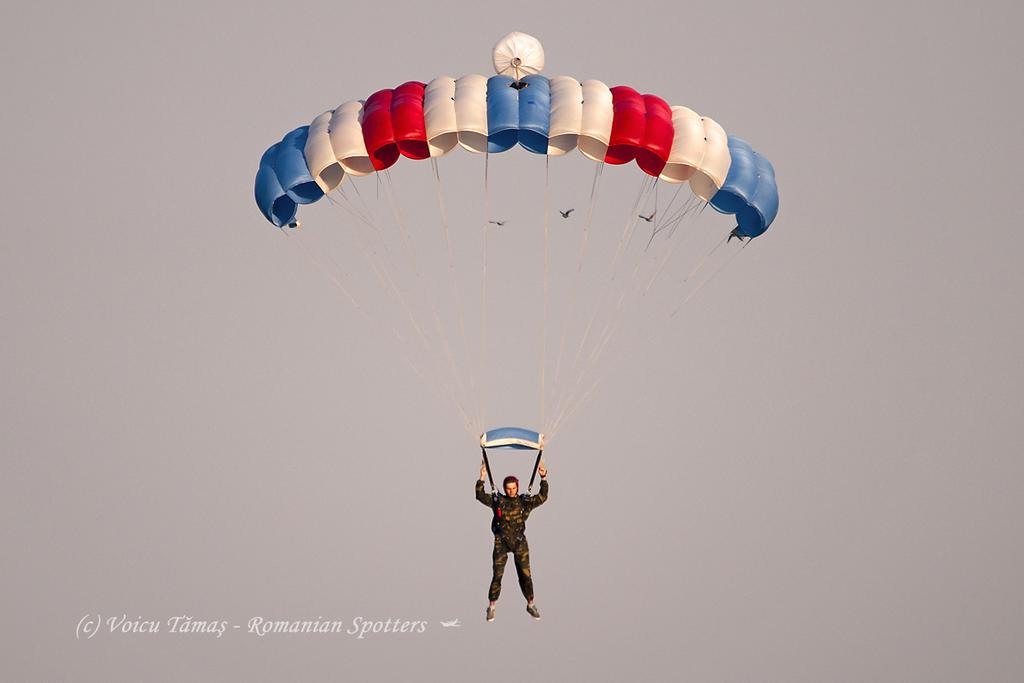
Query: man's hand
point(483, 472)
point(542, 470)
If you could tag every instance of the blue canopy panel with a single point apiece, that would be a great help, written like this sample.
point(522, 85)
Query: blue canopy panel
point(271, 198)
point(535, 114)
point(766, 198)
point(749, 191)
point(502, 114)
point(518, 115)
point(512, 437)
point(291, 169)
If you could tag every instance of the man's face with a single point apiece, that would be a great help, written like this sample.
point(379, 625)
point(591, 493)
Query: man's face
point(511, 489)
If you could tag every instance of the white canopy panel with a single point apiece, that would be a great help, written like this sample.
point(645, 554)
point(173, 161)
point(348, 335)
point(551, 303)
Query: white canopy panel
point(714, 167)
point(347, 139)
point(566, 115)
point(688, 145)
point(471, 112)
point(439, 115)
point(323, 166)
point(596, 120)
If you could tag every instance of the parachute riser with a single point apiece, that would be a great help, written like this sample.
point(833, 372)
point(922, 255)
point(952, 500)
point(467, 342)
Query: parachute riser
point(490, 477)
point(536, 464)
point(487, 464)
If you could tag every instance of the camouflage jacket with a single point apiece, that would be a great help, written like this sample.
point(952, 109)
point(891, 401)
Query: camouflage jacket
point(510, 514)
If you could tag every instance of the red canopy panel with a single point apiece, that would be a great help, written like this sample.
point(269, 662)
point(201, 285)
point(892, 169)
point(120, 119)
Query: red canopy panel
point(628, 125)
point(407, 120)
point(641, 129)
point(378, 133)
point(657, 143)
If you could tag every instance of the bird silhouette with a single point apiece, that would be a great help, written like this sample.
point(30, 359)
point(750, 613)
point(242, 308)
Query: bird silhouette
point(453, 622)
point(498, 223)
point(647, 218)
point(565, 214)
point(735, 233)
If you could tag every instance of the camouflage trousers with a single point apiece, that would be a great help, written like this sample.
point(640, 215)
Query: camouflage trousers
point(521, 555)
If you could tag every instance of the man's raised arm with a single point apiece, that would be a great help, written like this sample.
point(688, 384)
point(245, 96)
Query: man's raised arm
point(542, 496)
point(480, 494)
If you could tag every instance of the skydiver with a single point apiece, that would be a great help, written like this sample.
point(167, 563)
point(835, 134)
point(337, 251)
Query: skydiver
point(509, 527)
point(735, 233)
point(565, 214)
point(647, 218)
point(498, 223)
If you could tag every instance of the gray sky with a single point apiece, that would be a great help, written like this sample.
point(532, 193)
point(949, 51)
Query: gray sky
point(811, 473)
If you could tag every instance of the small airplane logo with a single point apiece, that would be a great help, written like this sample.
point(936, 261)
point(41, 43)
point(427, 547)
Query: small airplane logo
point(565, 214)
point(498, 223)
point(647, 218)
point(449, 624)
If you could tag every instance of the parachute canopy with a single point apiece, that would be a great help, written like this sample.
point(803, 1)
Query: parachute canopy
point(518, 106)
point(512, 437)
point(518, 54)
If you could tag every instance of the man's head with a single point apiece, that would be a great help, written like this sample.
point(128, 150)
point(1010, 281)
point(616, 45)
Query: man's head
point(511, 486)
